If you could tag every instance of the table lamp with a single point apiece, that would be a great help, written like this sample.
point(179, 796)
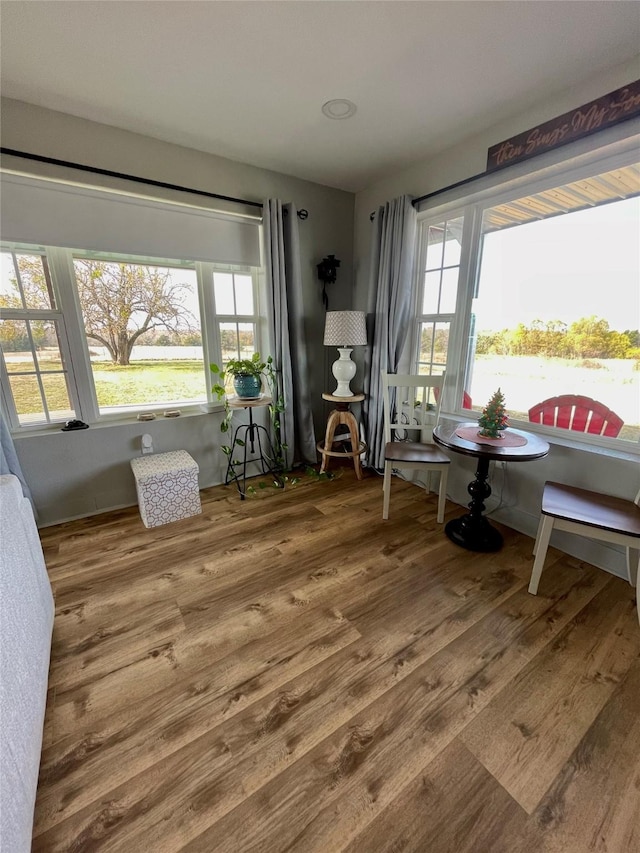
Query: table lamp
point(345, 330)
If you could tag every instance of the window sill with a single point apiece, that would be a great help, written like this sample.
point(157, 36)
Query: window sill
point(122, 420)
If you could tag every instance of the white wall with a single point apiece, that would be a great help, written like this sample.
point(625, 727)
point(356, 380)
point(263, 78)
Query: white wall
point(79, 473)
point(617, 475)
point(73, 474)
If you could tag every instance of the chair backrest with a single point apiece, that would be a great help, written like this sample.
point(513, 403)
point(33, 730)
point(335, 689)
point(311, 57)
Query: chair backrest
point(581, 414)
point(411, 407)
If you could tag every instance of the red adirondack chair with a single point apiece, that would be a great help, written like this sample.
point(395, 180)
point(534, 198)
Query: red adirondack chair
point(582, 414)
point(466, 399)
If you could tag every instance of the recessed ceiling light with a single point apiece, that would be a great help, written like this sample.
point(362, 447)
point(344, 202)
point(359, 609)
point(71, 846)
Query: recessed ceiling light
point(339, 108)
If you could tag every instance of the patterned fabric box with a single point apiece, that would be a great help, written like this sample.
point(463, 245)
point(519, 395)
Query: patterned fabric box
point(167, 487)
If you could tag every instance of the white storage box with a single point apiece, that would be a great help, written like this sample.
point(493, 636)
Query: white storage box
point(167, 487)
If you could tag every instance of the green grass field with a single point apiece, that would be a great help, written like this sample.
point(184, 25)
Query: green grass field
point(523, 379)
point(526, 380)
point(139, 384)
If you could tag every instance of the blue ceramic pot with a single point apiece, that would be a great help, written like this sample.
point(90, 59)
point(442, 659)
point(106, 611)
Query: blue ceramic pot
point(246, 386)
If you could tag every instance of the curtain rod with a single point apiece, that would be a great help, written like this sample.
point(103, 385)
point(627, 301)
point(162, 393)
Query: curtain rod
point(110, 174)
point(450, 187)
point(420, 199)
point(302, 213)
point(457, 184)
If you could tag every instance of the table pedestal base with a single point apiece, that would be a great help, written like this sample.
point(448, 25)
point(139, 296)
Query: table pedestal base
point(472, 531)
point(464, 531)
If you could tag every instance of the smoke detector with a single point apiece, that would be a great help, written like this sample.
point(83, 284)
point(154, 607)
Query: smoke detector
point(339, 108)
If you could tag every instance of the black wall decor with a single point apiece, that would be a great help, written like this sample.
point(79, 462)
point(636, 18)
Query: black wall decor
point(327, 273)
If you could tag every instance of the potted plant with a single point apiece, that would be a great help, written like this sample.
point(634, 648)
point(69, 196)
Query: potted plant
point(247, 376)
point(255, 369)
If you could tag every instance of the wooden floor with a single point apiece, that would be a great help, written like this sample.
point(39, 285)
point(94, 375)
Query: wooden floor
point(292, 673)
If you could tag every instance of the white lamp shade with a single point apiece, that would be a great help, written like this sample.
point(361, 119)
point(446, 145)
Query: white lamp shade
point(345, 329)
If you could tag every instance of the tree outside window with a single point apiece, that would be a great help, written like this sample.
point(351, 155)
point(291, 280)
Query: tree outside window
point(139, 322)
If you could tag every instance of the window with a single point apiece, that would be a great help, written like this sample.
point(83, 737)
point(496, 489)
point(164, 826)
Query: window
point(35, 356)
point(142, 332)
point(142, 324)
point(107, 300)
point(236, 314)
point(557, 311)
point(440, 254)
point(439, 294)
point(237, 319)
point(548, 305)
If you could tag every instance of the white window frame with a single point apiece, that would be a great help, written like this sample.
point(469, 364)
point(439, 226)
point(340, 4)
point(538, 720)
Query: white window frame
point(472, 206)
point(55, 315)
point(452, 368)
point(211, 341)
point(75, 346)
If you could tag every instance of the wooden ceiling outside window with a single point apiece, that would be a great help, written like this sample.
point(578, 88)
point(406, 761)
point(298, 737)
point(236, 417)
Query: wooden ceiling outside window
point(588, 192)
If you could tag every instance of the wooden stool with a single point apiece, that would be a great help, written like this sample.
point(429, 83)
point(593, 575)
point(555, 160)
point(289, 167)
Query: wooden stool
point(341, 416)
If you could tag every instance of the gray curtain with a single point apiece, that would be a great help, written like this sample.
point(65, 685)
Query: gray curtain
point(286, 324)
point(9, 462)
point(390, 285)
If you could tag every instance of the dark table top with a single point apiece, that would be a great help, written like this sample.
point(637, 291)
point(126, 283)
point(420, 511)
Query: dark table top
point(445, 435)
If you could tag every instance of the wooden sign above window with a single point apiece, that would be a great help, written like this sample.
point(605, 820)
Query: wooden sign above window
point(597, 115)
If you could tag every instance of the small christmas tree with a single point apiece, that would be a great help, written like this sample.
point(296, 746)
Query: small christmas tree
point(494, 416)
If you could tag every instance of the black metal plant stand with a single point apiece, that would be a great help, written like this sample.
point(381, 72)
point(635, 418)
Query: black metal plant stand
point(248, 437)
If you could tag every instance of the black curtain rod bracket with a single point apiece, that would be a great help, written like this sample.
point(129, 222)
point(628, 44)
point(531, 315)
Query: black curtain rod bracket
point(301, 214)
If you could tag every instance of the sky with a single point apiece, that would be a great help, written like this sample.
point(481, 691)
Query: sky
point(564, 268)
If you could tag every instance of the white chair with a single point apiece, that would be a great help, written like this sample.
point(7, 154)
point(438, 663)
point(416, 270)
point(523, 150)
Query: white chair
point(411, 409)
point(593, 515)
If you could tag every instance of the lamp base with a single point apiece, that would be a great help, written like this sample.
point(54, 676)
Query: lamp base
point(343, 370)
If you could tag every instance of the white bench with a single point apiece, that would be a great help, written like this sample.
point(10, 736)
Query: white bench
point(167, 487)
point(26, 622)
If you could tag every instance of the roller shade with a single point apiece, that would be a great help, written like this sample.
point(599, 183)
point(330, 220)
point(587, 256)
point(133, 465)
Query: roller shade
point(49, 213)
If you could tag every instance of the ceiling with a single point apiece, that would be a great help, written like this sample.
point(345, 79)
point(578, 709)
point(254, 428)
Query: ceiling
point(247, 80)
point(623, 182)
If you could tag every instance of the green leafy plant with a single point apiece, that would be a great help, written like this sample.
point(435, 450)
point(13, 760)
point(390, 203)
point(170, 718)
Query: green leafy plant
point(320, 475)
point(309, 473)
point(254, 366)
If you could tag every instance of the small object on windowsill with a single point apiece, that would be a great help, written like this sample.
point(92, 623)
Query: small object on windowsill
point(146, 416)
point(172, 413)
point(72, 425)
